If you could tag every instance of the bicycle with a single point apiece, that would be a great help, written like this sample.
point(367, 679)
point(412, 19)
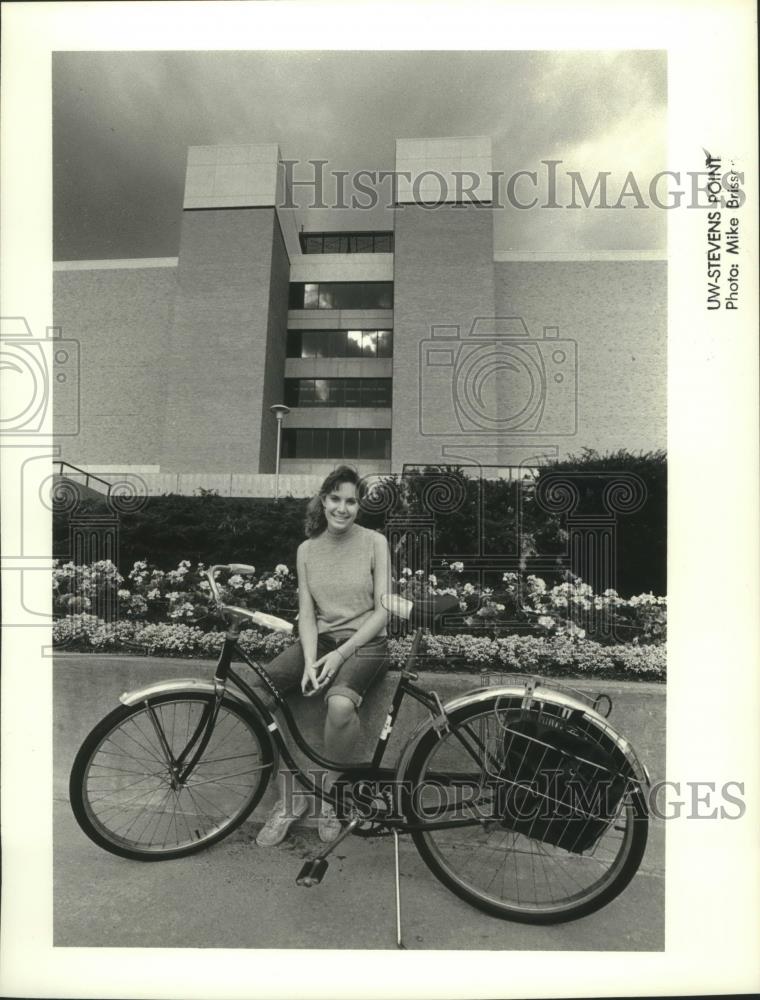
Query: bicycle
point(493, 786)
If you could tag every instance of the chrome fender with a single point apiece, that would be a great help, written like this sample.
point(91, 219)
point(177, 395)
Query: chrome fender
point(550, 695)
point(194, 684)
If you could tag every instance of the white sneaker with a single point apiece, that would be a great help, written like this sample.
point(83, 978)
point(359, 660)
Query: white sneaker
point(283, 814)
point(328, 824)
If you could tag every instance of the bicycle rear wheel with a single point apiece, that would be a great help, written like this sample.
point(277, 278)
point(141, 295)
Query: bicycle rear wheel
point(524, 870)
point(127, 798)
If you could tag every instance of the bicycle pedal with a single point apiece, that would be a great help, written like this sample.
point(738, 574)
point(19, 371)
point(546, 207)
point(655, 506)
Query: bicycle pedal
point(312, 872)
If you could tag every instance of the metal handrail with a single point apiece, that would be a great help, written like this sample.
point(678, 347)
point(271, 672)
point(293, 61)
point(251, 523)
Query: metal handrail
point(87, 475)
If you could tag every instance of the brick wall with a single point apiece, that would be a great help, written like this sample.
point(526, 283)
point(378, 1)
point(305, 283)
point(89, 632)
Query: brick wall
point(443, 275)
point(229, 276)
point(121, 318)
point(274, 371)
point(616, 312)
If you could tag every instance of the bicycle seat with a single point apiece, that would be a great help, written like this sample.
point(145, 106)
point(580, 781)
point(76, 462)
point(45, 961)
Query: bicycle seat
point(421, 611)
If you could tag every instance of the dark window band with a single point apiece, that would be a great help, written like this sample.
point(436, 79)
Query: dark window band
point(362, 392)
point(341, 295)
point(340, 344)
point(336, 442)
point(380, 242)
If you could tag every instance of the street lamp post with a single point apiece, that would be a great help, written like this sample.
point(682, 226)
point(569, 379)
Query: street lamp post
point(280, 411)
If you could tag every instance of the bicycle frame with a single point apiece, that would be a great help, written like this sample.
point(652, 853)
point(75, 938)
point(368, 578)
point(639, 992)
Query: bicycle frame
point(224, 674)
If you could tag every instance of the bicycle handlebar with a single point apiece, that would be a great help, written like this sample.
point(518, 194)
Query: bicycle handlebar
point(260, 617)
point(242, 568)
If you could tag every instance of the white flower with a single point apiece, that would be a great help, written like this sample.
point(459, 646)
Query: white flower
point(419, 572)
point(468, 588)
point(153, 594)
point(406, 571)
point(123, 594)
point(205, 585)
point(248, 586)
point(545, 621)
point(273, 584)
point(457, 567)
point(463, 605)
point(433, 579)
point(281, 570)
point(235, 580)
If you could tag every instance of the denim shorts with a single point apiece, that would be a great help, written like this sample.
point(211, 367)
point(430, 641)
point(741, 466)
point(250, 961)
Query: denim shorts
point(353, 678)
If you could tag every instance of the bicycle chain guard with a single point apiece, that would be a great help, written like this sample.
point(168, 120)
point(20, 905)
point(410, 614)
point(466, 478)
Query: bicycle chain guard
point(368, 796)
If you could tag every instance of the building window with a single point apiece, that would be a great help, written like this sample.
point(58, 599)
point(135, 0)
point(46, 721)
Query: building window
point(346, 242)
point(340, 344)
point(336, 442)
point(364, 392)
point(341, 295)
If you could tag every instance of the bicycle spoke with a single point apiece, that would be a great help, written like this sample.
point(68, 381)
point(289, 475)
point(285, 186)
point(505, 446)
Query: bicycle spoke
point(526, 859)
point(131, 795)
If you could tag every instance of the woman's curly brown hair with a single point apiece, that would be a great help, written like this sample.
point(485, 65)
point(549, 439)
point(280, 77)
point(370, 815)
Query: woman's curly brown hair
point(315, 521)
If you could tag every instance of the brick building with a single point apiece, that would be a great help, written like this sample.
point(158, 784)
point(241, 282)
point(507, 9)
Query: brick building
point(415, 345)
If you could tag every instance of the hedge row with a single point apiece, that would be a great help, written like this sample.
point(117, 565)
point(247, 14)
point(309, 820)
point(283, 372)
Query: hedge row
point(498, 518)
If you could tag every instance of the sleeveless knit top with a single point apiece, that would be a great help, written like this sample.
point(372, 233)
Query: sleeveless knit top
point(339, 575)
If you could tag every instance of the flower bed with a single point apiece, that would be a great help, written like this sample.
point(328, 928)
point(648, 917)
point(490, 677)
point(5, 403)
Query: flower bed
point(558, 656)
point(513, 602)
point(572, 631)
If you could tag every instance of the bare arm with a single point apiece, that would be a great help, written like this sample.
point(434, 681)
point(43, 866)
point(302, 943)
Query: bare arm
point(307, 620)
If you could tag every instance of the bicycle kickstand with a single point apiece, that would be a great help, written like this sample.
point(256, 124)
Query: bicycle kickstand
point(399, 942)
point(313, 869)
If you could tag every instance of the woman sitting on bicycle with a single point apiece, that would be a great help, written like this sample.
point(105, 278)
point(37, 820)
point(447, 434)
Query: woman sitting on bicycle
point(343, 571)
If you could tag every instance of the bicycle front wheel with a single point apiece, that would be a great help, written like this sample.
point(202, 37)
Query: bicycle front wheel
point(528, 870)
point(129, 796)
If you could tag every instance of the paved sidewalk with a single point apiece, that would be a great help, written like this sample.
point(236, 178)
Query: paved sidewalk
point(237, 895)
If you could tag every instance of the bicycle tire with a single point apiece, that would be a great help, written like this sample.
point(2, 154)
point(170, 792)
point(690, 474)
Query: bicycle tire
point(502, 872)
point(120, 787)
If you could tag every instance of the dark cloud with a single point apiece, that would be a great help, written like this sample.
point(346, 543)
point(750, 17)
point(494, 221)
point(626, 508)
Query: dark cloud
point(122, 122)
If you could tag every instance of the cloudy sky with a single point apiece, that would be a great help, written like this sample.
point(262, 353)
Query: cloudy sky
point(122, 122)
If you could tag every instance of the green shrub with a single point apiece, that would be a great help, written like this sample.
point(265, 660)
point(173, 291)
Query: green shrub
point(560, 656)
point(472, 518)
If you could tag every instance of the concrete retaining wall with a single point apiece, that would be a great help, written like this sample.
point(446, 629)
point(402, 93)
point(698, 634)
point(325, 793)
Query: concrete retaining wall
point(87, 687)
